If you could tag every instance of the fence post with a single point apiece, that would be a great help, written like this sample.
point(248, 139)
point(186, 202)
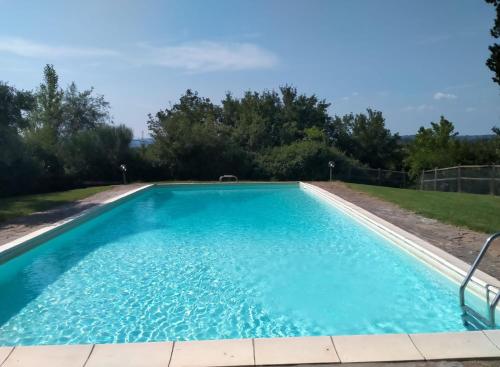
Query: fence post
point(422, 180)
point(435, 178)
point(492, 179)
point(379, 176)
point(404, 177)
point(459, 179)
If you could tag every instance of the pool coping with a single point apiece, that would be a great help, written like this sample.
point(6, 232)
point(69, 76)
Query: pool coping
point(471, 345)
point(271, 351)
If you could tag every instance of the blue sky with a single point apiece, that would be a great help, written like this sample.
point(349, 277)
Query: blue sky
point(413, 60)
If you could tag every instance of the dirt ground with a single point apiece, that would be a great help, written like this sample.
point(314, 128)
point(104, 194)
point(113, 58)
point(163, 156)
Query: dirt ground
point(460, 242)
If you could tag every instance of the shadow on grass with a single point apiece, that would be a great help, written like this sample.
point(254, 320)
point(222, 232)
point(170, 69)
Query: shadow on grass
point(37, 212)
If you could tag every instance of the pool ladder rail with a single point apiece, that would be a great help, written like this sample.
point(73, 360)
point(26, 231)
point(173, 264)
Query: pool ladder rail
point(470, 316)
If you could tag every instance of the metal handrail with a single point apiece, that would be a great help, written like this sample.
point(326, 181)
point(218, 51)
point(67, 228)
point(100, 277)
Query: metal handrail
point(231, 177)
point(492, 309)
point(468, 277)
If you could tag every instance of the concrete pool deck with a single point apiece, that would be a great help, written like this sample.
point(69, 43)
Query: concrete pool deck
point(480, 346)
point(343, 350)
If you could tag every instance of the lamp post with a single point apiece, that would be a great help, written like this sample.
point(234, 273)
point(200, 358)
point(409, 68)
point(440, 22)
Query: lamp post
point(331, 165)
point(123, 168)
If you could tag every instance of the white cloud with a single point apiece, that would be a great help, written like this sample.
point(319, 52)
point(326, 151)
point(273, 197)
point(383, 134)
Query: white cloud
point(441, 95)
point(419, 108)
point(425, 107)
point(209, 56)
point(192, 57)
point(346, 98)
point(470, 109)
point(26, 48)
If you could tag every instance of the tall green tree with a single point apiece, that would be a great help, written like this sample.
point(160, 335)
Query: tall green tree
point(48, 112)
point(46, 120)
point(263, 120)
point(493, 61)
point(17, 168)
point(432, 147)
point(366, 138)
point(82, 110)
point(190, 140)
point(95, 154)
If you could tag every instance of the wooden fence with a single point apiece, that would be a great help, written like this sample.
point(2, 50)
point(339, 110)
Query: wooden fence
point(471, 179)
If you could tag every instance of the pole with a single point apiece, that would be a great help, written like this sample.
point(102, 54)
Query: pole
point(492, 179)
point(435, 178)
point(459, 179)
point(422, 180)
point(330, 173)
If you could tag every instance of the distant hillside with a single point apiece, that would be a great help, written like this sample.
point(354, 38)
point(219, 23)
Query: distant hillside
point(135, 143)
point(408, 138)
point(404, 138)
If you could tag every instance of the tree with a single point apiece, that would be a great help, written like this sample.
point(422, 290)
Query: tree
point(433, 147)
point(96, 154)
point(49, 98)
point(189, 139)
point(365, 138)
point(18, 171)
point(82, 110)
point(306, 159)
point(493, 61)
point(45, 120)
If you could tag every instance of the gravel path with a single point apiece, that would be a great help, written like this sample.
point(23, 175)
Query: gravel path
point(460, 242)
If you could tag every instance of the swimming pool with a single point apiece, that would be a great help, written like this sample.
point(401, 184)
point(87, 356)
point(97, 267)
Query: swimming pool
point(186, 262)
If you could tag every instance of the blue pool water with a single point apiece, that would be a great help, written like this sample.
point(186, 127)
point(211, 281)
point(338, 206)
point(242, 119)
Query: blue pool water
point(213, 261)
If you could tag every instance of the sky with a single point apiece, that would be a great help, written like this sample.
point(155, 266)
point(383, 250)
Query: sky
point(413, 60)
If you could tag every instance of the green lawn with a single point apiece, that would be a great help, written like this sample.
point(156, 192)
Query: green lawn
point(477, 212)
point(17, 206)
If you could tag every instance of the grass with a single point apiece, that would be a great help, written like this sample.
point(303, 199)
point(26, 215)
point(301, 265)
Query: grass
point(17, 206)
point(477, 212)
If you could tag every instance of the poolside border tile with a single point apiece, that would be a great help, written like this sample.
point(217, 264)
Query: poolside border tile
point(49, 356)
point(153, 354)
point(295, 350)
point(5, 353)
point(376, 348)
point(213, 353)
point(455, 346)
point(493, 336)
